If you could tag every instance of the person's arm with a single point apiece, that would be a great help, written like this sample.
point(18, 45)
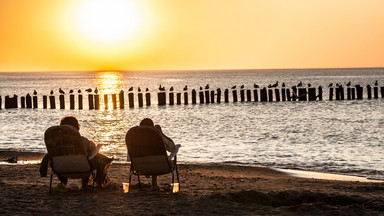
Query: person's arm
point(168, 142)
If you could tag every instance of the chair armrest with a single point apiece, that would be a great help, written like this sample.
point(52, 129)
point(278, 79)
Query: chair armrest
point(173, 154)
point(95, 152)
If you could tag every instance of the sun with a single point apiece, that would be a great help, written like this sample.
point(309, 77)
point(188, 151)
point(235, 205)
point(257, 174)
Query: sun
point(107, 21)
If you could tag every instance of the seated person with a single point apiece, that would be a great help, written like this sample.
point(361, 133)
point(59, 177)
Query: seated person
point(168, 144)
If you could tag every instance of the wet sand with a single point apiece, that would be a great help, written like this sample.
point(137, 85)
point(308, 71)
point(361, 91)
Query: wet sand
point(206, 189)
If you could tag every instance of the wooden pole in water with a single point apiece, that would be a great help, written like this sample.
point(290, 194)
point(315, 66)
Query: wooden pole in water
point(131, 100)
point(320, 95)
point(45, 103)
point(302, 94)
point(194, 96)
point(263, 94)
point(255, 95)
point(90, 101)
point(288, 95)
point(369, 92)
point(161, 98)
point(171, 98)
point(62, 102)
point(353, 92)
point(148, 98)
point(178, 98)
point(311, 94)
point(207, 100)
point(234, 95)
point(242, 95)
point(22, 102)
point(382, 91)
point(359, 92)
point(34, 100)
point(341, 92)
point(270, 95)
point(185, 98)
point(114, 101)
point(349, 95)
point(52, 102)
point(283, 95)
point(201, 97)
point(80, 98)
point(140, 99)
point(121, 99)
point(28, 101)
point(106, 102)
point(277, 94)
point(97, 101)
point(249, 96)
point(226, 95)
point(330, 94)
point(218, 98)
point(212, 96)
point(294, 91)
point(376, 92)
point(1, 101)
point(71, 101)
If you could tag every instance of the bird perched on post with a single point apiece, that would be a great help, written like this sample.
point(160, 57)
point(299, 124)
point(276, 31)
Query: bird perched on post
point(283, 85)
point(255, 86)
point(349, 83)
point(131, 88)
point(139, 89)
point(242, 86)
point(79, 91)
point(300, 84)
point(96, 90)
point(51, 92)
point(276, 84)
point(71, 91)
point(88, 90)
point(61, 91)
point(376, 83)
point(309, 85)
point(185, 88)
point(201, 88)
point(146, 89)
point(233, 87)
point(330, 85)
point(207, 86)
point(34, 92)
point(171, 89)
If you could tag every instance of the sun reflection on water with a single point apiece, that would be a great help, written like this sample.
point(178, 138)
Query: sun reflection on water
point(109, 83)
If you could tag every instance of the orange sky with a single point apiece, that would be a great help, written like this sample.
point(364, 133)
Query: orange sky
point(60, 35)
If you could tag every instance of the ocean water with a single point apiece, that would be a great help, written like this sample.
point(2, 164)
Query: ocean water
point(344, 137)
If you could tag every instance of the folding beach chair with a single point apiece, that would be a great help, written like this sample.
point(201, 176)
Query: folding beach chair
point(148, 156)
point(67, 153)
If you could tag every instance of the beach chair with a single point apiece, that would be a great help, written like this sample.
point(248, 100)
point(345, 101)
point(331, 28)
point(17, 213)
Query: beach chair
point(68, 157)
point(148, 156)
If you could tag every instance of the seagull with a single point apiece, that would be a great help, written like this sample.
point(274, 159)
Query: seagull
point(283, 85)
point(51, 92)
point(330, 85)
point(309, 85)
point(61, 91)
point(185, 88)
point(300, 84)
point(79, 91)
point(171, 89)
point(376, 83)
point(70, 91)
point(233, 87)
point(337, 84)
point(207, 86)
point(242, 86)
point(139, 89)
point(130, 89)
point(146, 89)
point(88, 90)
point(349, 83)
point(269, 86)
point(35, 92)
point(201, 88)
point(96, 91)
point(276, 84)
point(255, 86)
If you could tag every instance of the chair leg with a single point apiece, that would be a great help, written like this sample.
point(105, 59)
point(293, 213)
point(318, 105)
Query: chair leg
point(129, 181)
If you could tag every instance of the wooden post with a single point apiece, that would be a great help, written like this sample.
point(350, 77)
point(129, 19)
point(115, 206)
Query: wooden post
point(288, 94)
point(34, 100)
point(263, 94)
point(148, 98)
point(114, 101)
point(131, 100)
point(359, 92)
point(283, 95)
point(62, 102)
point(218, 98)
point(270, 95)
point(28, 101)
point(382, 91)
point(277, 94)
point(201, 97)
point(71, 101)
point(80, 98)
point(302, 94)
point(242, 95)
point(249, 96)
point(178, 98)
point(212, 96)
point(52, 102)
point(121, 99)
point(330, 94)
point(353, 93)
point(255, 95)
point(90, 101)
point(106, 105)
point(140, 99)
point(226, 95)
point(161, 98)
point(349, 95)
point(369, 92)
point(97, 101)
point(341, 92)
point(207, 100)
point(234, 95)
point(22, 102)
point(194, 96)
point(311, 94)
point(171, 98)
point(320, 95)
point(376, 92)
point(294, 91)
point(185, 98)
point(45, 101)
point(1, 101)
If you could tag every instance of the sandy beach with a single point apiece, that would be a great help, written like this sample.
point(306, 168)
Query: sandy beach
point(206, 189)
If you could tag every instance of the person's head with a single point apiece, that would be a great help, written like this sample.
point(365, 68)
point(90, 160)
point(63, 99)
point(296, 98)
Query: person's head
point(147, 122)
point(70, 120)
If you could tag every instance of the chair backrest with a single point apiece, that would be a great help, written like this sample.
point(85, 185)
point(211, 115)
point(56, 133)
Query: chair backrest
point(146, 150)
point(68, 155)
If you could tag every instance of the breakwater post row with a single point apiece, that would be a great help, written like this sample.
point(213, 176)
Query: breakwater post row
point(205, 96)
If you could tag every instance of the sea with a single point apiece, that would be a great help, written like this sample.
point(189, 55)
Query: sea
point(342, 137)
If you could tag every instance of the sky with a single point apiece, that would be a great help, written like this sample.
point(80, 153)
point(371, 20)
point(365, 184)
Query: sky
point(76, 35)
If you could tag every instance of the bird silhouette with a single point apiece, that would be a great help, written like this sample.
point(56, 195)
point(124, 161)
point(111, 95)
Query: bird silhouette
point(88, 90)
point(349, 83)
point(61, 91)
point(161, 88)
point(139, 89)
point(269, 86)
point(275, 85)
point(96, 90)
point(207, 86)
point(242, 86)
point(146, 89)
point(171, 89)
point(376, 83)
point(337, 84)
point(34, 92)
point(255, 86)
point(233, 87)
point(79, 91)
point(309, 85)
point(330, 85)
point(300, 84)
point(51, 92)
point(70, 91)
point(131, 88)
point(185, 88)
point(201, 88)
point(283, 85)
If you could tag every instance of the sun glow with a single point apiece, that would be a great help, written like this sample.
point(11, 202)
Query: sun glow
point(107, 21)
